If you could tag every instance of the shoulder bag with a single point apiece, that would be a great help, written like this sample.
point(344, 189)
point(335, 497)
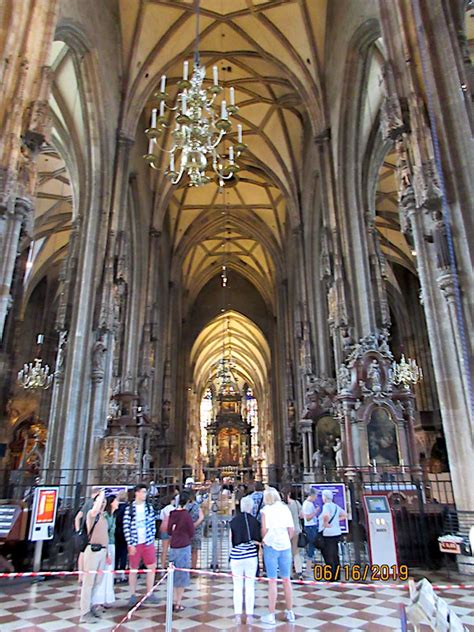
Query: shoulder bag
point(319, 542)
point(83, 538)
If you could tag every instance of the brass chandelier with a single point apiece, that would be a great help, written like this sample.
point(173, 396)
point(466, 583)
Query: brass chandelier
point(406, 372)
point(199, 128)
point(35, 376)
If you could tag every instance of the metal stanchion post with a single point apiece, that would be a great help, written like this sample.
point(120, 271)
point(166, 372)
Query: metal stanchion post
point(215, 491)
point(169, 599)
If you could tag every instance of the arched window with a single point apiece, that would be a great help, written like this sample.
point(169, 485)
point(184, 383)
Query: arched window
point(252, 418)
point(206, 415)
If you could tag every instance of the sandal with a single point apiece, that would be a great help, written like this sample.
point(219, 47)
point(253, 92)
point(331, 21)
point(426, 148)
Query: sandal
point(177, 608)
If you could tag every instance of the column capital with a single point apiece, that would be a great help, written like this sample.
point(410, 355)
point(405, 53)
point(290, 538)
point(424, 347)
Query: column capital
point(447, 286)
point(154, 232)
point(124, 140)
point(306, 425)
point(323, 137)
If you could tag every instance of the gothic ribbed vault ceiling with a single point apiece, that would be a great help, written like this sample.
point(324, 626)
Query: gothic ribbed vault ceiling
point(271, 52)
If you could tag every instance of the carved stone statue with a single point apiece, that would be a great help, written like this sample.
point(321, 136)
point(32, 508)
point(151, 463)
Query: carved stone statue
point(114, 408)
point(383, 342)
point(317, 459)
point(347, 339)
point(146, 461)
point(62, 350)
point(375, 376)
point(98, 356)
point(338, 453)
point(344, 378)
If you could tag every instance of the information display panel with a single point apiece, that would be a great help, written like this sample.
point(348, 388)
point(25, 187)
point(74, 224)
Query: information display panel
point(45, 506)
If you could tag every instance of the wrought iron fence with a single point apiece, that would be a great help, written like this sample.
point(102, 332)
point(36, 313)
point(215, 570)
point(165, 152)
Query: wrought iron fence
point(422, 505)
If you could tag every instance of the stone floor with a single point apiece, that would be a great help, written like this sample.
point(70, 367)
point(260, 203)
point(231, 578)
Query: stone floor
point(53, 605)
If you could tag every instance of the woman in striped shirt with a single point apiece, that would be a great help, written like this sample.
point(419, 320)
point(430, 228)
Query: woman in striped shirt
point(244, 536)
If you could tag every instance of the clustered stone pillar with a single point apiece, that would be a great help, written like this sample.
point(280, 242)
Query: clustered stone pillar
point(10, 229)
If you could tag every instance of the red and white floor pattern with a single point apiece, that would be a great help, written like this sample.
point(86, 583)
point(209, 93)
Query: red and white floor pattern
point(54, 605)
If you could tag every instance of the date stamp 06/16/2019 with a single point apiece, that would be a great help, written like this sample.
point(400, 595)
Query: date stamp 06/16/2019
point(362, 572)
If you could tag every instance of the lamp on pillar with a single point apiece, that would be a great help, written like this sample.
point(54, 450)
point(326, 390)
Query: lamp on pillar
point(35, 376)
point(406, 372)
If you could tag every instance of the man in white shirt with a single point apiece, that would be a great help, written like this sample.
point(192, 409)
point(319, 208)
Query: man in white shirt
point(331, 530)
point(311, 525)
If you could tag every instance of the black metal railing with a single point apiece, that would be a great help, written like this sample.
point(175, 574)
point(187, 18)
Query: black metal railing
point(422, 503)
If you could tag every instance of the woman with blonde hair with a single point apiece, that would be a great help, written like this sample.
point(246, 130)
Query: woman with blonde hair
point(277, 531)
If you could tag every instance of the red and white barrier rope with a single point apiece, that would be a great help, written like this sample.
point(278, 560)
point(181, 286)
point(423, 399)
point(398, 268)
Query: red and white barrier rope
point(216, 574)
point(76, 573)
point(337, 584)
point(132, 611)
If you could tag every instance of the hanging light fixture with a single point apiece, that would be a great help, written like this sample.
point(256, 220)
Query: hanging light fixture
point(200, 126)
point(35, 376)
point(406, 372)
point(225, 366)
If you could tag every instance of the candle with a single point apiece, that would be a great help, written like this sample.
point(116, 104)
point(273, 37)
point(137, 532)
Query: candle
point(374, 463)
point(171, 162)
point(239, 133)
point(163, 83)
point(215, 75)
point(162, 108)
point(150, 146)
point(153, 116)
point(185, 70)
point(184, 102)
point(223, 109)
point(232, 96)
point(231, 153)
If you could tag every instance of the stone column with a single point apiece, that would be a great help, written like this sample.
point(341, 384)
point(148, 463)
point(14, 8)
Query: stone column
point(50, 454)
point(307, 438)
point(448, 369)
point(10, 229)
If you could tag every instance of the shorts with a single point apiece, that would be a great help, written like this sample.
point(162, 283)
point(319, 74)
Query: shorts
point(196, 542)
point(277, 561)
point(145, 552)
point(181, 558)
point(164, 535)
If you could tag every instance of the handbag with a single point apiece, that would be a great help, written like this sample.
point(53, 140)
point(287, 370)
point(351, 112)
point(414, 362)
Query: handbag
point(319, 541)
point(302, 540)
point(248, 531)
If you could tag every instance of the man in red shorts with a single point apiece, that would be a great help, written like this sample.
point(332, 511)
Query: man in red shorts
point(139, 527)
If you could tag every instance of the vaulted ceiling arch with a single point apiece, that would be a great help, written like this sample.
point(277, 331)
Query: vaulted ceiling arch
point(393, 242)
point(289, 33)
point(235, 265)
point(239, 339)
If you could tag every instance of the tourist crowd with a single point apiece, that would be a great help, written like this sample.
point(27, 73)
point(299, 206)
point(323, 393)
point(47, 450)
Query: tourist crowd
point(266, 535)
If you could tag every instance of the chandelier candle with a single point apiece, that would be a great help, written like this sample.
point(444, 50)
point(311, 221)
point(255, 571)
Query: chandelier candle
point(197, 132)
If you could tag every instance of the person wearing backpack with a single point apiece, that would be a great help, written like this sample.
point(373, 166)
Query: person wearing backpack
point(139, 528)
point(95, 558)
point(330, 529)
point(79, 527)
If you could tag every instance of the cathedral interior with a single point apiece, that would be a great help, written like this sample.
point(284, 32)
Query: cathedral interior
point(307, 306)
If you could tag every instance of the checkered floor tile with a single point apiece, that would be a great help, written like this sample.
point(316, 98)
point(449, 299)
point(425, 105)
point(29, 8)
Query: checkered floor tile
point(54, 605)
